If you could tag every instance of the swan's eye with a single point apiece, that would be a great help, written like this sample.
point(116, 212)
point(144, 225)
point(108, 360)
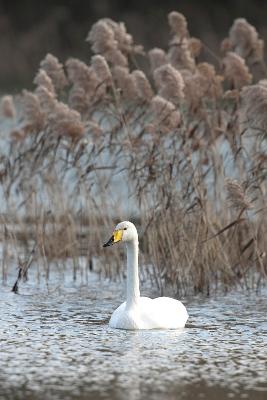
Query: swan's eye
point(125, 229)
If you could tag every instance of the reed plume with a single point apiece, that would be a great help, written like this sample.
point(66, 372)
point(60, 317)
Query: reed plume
point(111, 40)
point(167, 117)
point(101, 69)
point(235, 71)
point(202, 85)
point(178, 24)
point(157, 58)
point(65, 122)
point(46, 99)
point(33, 114)
point(85, 80)
point(253, 109)
point(101, 37)
point(145, 92)
point(7, 107)
point(42, 79)
point(195, 46)
point(80, 73)
point(236, 195)
point(55, 71)
point(78, 99)
point(126, 82)
point(180, 55)
point(244, 40)
point(170, 83)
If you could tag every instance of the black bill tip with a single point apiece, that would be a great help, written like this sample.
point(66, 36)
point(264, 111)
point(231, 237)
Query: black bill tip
point(110, 242)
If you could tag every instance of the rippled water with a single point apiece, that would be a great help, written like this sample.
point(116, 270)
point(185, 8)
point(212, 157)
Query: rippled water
point(56, 343)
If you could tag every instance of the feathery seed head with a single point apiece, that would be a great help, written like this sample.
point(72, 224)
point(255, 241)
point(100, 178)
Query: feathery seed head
point(64, 121)
point(126, 82)
point(47, 99)
point(195, 46)
point(8, 109)
point(169, 82)
point(78, 71)
point(253, 108)
point(143, 86)
point(78, 99)
point(32, 112)
point(236, 195)
point(166, 114)
point(55, 71)
point(244, 40)
point(178, 24)
point(236, 71)
point(157, 58)
point(179, 55)
point(102, 37)
point(42, 79)
point(101, 69)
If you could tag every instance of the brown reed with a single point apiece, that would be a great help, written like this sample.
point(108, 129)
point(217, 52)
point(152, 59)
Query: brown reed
point(92, 137)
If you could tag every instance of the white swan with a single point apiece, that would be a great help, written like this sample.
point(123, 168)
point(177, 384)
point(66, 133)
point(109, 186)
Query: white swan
point(142, 312)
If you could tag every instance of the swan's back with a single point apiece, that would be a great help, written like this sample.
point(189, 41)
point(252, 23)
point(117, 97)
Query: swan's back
point(159, 313)
point(169, 313)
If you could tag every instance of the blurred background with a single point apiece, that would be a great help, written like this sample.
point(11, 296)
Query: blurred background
point(30, 29)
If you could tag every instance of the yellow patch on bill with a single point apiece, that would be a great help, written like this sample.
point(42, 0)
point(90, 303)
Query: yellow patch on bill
point(117, 235)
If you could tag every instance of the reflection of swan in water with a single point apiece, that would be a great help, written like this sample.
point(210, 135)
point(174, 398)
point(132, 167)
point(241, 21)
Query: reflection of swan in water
point(141, 312)
point(146, 362)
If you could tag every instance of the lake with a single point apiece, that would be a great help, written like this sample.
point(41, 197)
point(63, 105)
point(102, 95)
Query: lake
point(55, 343)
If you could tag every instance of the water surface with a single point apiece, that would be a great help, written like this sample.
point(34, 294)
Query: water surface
point(55, 343)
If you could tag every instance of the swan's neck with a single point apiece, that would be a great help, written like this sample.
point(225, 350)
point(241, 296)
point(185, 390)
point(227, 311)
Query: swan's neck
point(133, 293)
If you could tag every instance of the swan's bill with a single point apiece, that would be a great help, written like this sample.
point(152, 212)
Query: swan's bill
point(109, 242)
point(116, 237)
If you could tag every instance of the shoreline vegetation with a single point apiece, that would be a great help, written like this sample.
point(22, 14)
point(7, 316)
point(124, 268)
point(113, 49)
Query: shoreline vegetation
point(179, 142)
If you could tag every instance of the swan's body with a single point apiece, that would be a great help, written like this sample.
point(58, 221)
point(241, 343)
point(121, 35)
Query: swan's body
point(142, 312)
point(159, 313)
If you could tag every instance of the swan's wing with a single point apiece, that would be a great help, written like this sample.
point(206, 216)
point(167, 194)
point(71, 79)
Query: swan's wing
point(116, 315)
point(163, 312)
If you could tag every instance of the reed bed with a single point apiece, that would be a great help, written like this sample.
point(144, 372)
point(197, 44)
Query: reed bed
point(178, 146)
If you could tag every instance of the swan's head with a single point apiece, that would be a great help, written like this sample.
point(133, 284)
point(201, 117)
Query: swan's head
point(124, 232)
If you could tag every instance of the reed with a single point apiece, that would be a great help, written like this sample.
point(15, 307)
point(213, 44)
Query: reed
point(180, 147)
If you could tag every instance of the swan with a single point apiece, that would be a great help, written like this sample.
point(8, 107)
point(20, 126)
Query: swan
point(142, 312)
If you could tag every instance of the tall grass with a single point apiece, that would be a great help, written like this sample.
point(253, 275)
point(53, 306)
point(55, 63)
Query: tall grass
point(179, 146)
